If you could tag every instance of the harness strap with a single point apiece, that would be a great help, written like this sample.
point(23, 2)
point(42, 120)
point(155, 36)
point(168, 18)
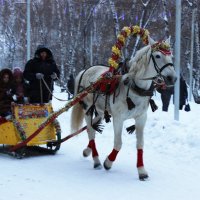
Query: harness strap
point(107, 116)
point(79, 83)
point(51, 92)
point(94, 102)
point(129, 102)
point(127, 94)
point(155, 64)
point(159, 70)
point(92, 110)
point(141, 91)
point(153, 105)
point(115, 95)
point(168, 64)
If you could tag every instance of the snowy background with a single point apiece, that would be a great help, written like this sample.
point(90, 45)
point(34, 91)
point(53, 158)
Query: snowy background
point(171, 156)
point(81, 33)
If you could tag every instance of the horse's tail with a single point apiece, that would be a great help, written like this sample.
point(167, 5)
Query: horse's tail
point(77, 114)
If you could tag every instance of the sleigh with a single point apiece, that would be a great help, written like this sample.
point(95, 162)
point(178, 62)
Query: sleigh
point(25, 120)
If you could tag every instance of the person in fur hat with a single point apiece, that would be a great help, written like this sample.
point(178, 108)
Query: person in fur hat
point(6, 92)
point(38, 71)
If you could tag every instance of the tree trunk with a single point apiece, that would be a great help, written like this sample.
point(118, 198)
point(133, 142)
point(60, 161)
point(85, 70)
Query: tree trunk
point(196, 80)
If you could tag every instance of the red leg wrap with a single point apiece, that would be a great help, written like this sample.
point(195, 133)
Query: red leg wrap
point(140, 158)
point(113, 155)
point(92, 146)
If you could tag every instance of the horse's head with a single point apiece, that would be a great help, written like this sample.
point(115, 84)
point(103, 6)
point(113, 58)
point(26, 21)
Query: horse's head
point(154, 62)
point(161, 60)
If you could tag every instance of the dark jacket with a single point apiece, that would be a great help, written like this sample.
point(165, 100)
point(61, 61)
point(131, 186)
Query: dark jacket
point(6, 92)
point(47, 68)
point(70, 84)
point(165, 97)
point(183, 92)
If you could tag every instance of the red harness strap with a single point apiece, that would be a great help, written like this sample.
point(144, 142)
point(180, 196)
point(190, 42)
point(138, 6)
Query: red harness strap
point(108, 86)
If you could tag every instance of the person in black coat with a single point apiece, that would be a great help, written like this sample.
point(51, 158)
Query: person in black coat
point(183, 93)
point(38, 71)
point(165, 97)
point(70, 86)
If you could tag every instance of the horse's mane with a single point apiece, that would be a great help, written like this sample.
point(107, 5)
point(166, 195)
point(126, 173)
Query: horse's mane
point(139, 63)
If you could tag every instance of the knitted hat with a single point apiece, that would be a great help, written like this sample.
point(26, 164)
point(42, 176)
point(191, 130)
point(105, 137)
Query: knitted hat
point(17, 72)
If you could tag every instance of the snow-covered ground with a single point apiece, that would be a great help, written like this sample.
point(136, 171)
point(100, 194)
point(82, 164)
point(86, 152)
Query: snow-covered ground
point(171, 157)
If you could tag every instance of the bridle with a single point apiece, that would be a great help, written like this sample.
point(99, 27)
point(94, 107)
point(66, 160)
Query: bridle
point(159, 79)
point(159, 70)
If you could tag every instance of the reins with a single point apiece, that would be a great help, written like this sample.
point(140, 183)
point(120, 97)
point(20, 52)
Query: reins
point(46, 85)
point(41, 92)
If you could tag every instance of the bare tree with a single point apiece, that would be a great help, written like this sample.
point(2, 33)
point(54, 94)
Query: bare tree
point(115, 17)
point(196, 82)
point(165, 18)
point(144, 20)
point(66, 27)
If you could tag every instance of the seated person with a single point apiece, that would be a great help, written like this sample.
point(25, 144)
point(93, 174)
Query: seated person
point(19, 88)
point(6, 88)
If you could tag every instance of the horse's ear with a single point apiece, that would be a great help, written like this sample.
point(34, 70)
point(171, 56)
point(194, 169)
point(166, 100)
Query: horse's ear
point(151, 41)
point(168, 40)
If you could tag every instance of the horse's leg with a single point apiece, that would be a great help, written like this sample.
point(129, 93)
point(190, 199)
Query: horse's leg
point(91, 145)
point(139, 125)
point(117, 123)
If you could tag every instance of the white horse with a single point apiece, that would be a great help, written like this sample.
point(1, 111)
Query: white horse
point(149, 63)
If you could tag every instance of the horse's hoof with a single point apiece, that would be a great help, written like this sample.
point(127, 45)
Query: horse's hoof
point(97, 163)
point(97, 166)
point(106, 167)
point(107, 164)
point(87, 152)
point(143, 177)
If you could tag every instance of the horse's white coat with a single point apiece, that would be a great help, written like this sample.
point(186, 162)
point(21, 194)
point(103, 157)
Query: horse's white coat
point(141, 66)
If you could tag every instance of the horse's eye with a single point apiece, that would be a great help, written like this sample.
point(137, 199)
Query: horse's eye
point(157, 56)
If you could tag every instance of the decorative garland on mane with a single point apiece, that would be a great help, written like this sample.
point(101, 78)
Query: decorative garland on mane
point(121, 39)
point(163, 47)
